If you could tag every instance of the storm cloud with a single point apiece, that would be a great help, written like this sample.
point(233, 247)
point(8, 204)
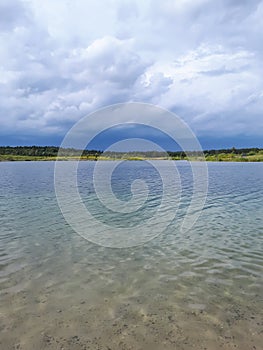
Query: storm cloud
point(60, 60)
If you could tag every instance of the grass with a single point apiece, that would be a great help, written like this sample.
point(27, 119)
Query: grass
point(221, 157)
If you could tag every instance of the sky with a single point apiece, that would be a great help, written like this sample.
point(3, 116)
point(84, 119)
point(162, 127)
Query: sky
point(62, 59)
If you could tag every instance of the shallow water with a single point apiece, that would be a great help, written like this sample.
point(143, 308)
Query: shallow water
point(200, 290)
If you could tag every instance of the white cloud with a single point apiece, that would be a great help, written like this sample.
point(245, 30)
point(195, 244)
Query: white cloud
point(60, 60)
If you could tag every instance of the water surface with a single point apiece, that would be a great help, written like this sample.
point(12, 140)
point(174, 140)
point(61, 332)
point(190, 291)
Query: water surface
point(200, 290)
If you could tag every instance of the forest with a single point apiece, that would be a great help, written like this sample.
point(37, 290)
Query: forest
point(8, 153)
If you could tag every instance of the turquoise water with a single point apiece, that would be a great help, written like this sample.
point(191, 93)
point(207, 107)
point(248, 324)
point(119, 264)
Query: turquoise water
point(196, 290)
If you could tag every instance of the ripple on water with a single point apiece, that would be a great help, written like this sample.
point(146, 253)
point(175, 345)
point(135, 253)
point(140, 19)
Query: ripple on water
point(200, 289)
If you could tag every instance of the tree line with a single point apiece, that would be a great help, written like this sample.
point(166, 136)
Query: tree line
point(52, 151)
point(45, 151)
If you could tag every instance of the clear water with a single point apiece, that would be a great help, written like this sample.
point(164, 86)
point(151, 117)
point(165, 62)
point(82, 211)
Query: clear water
point(200, 290)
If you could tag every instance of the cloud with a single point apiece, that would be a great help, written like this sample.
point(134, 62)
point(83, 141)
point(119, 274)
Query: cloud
point(13, 13)
point(61, 60)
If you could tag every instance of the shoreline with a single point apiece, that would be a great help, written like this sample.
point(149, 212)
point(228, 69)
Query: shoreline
point(54, 153)
point(103, 159)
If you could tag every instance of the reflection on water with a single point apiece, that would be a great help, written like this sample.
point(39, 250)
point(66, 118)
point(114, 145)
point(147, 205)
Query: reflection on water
point(200, 290)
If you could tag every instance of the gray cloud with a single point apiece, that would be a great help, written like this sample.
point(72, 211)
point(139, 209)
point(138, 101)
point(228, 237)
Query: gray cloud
point(61, 60)
point(13, 13)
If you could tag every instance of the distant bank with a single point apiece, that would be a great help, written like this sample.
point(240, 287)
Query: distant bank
point(50, 153)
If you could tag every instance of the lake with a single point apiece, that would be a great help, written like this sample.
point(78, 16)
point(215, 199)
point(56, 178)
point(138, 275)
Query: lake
point(200, 289)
